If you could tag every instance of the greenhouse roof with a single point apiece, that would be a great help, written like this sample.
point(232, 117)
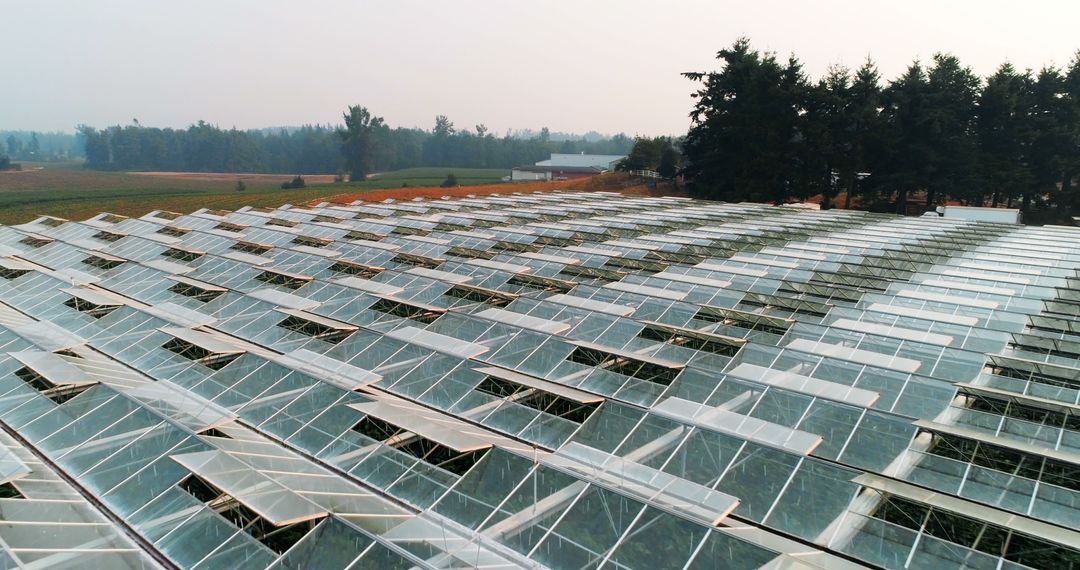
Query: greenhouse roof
point(561, 380)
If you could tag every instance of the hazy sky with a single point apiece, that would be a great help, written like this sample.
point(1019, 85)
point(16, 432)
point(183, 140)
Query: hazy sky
point(576, 66)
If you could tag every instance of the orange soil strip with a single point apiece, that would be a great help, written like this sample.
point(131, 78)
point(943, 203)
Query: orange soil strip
point(435, 192)
point(600, 183)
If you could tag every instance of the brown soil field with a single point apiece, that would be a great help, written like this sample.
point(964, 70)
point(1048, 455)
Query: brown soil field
point(614, 182)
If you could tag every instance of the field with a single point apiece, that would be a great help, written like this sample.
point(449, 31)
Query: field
point(68, 191)
point(433, 177)
point(232, 177)
point(610, 182)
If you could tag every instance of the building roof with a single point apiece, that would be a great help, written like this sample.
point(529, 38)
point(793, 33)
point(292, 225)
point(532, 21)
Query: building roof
point(606, 161)
point(564, 169)
point(543, 379)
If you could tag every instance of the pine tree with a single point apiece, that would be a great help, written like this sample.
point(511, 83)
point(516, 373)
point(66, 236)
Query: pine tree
point(906, 165)
point(867, 136)
point(1004, 134)
point(743, 134)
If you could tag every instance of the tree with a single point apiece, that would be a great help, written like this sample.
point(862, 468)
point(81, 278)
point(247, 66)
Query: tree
point(308, 149)
point(33, 150)
point(436, 149)
point(952, 96)
point(645, 154)
point(96, 147)
point(359, 141)
point(864, 135)
point(296, 182)
point(1004, 134)
point(450, 182)
point(762, 131)
point(444, 127)
point(5, 163)
point(930, 133)
point(818, 149)
point(906, 166)
point(840, 133)
point(14, 146)
point(743, 126)
point(1051, 145)
point(1071, 117)
point(485, 146)
point(669, 162)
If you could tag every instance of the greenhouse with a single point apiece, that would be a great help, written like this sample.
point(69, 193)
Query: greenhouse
point(556, 380)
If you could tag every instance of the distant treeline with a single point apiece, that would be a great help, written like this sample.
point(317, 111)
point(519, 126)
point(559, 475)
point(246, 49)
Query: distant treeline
point(318, 149)
point(764, 131)
point(39, 146)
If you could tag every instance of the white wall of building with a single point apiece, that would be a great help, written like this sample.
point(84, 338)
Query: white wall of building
point(523, 175)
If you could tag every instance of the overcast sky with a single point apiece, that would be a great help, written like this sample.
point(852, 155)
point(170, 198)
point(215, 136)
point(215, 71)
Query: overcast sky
point(571, 65)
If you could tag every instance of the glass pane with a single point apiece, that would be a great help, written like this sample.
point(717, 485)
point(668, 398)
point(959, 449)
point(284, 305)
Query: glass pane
point(658, 540)
point(588, 530)
point(756, 478)
point(725, 551)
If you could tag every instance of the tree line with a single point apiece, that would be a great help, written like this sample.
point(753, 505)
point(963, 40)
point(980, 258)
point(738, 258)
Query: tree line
point(363, 144)
point(762, 130)
point(38, 146)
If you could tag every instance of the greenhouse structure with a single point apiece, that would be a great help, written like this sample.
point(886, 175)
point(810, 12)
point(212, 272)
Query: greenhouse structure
point(547, 380)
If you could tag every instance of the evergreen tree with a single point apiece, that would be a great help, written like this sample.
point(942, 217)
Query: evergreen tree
point(761, 131)
point(1070, 186)
point(1051, 146)
point(907, 164)
point(952, 95)
point(1004, 134)
point(822, 138)
point(865, 138)
point(743, 129)
point(669, 162)
point(359, 141)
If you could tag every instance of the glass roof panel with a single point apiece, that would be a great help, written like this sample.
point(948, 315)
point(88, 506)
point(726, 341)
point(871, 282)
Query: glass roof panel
point(271, 500)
